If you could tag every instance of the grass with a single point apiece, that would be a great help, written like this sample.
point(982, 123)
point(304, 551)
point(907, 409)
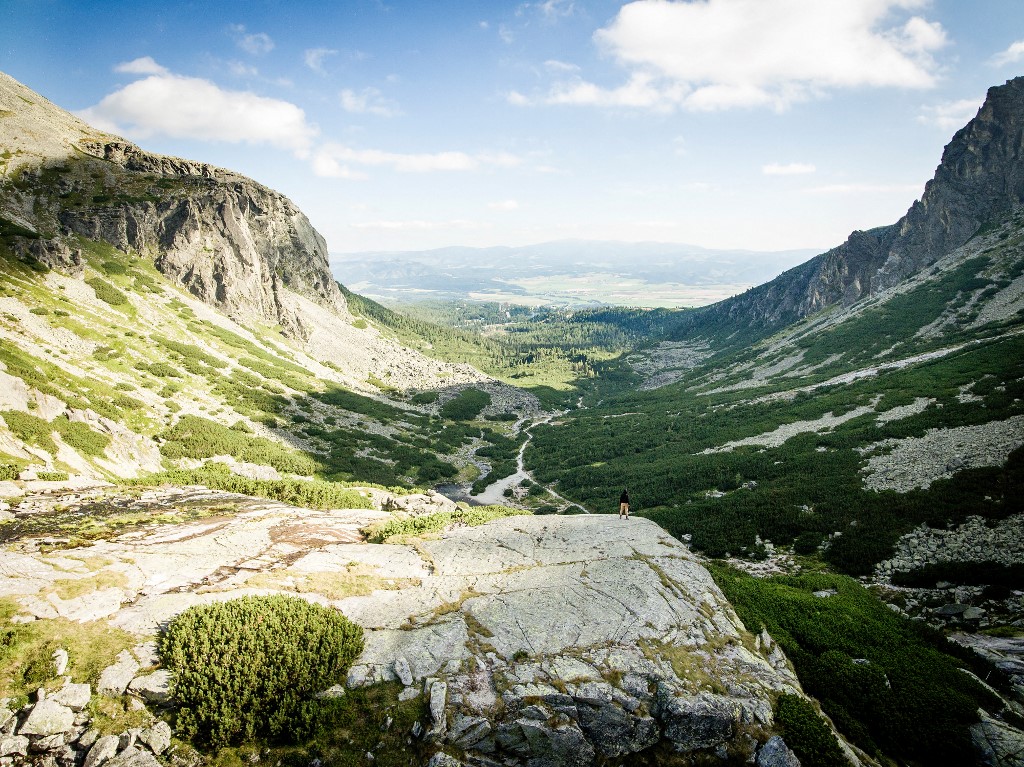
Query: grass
point(71, 588)
point(355, 581)
point(383, 532)
point(26, 649)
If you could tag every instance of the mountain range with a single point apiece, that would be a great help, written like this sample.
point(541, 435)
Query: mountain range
point(166, 325)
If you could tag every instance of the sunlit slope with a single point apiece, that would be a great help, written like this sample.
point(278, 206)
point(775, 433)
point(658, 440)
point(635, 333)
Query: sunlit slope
point(845, 429)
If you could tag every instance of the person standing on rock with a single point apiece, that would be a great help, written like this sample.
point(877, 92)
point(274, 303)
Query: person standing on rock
point(624, 503)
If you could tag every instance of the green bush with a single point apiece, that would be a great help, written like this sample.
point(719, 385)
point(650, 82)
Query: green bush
point(466, 406)
point(807, 734)
point(9, 471)
point(249, 668)
point(31, 429)
point(53, 476)
point(107, 292)
point(82, 438)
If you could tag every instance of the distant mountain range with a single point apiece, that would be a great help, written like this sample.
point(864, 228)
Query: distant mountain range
point(573, 272)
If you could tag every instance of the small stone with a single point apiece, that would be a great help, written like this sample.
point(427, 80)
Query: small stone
point(47, 743)
point(103, 749)
point(402, 671)
point(775, 753)
point(127, 739)
point(157, 737)
point(442, 759)
point(60, 661)
point(332, 692)
point(134, 757)
point(14, 744)
point(438, 698)
point(408, 694)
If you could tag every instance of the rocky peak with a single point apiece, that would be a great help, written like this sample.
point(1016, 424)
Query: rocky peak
point(980, 177)
point(230, 241)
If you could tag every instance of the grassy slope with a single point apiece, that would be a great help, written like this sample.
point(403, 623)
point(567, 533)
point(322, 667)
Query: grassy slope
point(654, 442)
point(134, 349)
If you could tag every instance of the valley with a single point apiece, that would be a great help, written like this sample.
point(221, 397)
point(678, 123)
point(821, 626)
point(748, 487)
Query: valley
point(828, 473)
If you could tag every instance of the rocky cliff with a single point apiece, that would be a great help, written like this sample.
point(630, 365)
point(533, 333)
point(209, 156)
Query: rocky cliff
point(980, 177)
point(232, 242)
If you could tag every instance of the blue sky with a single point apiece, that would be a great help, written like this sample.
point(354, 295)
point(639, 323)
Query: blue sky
point(760, 124)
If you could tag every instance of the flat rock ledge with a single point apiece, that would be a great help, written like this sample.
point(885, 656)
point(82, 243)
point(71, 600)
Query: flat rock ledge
point(572, 641)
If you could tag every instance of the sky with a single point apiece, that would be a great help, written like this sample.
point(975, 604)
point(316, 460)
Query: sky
point(401, 125)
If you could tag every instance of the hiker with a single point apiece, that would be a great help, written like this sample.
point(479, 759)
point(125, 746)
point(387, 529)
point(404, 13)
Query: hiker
point(624, 503)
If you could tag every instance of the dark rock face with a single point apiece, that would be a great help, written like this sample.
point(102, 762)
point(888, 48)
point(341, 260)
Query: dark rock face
point(981, 176)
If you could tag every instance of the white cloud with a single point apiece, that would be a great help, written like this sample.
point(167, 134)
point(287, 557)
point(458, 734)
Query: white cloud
point(504, 205)
point(241, 69)
point(950, 115)
point(255, 43)
point(141, 66)
point(193, 108)
point(314, 58)
point(517, 99)
point(721, 54)
point(334, 160)
point(554, 65)
point(1011, 55)
point(368, 101)
point(789, 169)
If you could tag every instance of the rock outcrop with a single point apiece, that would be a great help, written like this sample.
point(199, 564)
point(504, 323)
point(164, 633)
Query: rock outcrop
point(539, 640)
point(980, 177)
point(232, 242)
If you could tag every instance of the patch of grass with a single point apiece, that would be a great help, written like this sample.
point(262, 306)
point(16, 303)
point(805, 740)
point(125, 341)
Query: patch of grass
point(70, 588)
point(26, 649)
point(382, 532)
point(356, 580)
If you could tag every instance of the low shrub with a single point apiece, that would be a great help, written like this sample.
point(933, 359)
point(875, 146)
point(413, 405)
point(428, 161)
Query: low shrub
point(53, 476)
point(466, 406)
point(106, 292)
point(9, 471)
point(81, 437)
point(248, 668)
point(807, 734)
point(31, 429)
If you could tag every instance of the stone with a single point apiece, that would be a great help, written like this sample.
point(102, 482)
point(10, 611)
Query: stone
point(134, 757)
point(775, 753)
point(89, 737)
point(157, 737)
point(60, 661)
point(467, 731)
point(694, 722)
point(442, 759)
point(402, 671)
point(102, 750)
point(154, 687)
point(438, 697)
point(951, 610)
point(333, 692)
point(48, 717)
point(997, 743)
point(74, 696)
point(47, 743)
point(114, 679)
point(409, 693)
point(13, 745)
point(128, 738)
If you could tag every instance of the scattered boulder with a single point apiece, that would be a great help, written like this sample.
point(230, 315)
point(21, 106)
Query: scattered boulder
point(60, 661)
point(153, 688)
point(157, 737)
point(114, 680)
point(775, 753)
point(102, 750)
point(402, 671)
point(74, 696)
point(48, 718)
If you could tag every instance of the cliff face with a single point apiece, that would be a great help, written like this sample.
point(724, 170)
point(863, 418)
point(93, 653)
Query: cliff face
point(230, 241)
point(981, 176)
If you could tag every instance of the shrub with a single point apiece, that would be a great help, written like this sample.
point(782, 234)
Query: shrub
point(807, 734)
point(248, 668)
point(107, 292)
point(31, 429)
point(79, 436)
point(466, 406)
point(9, 471)
point(424, 397)
point(53, 476)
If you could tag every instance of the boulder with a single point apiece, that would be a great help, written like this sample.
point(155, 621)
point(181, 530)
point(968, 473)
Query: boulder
point(48, 717)
point(11, 745)
point(775, 753)
point(102, 750)
point(134, 756)
point(157, 737)
point(154, 688)
point(60, 661)
point(402, 671)
point(74, 696)
point(114, 680)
